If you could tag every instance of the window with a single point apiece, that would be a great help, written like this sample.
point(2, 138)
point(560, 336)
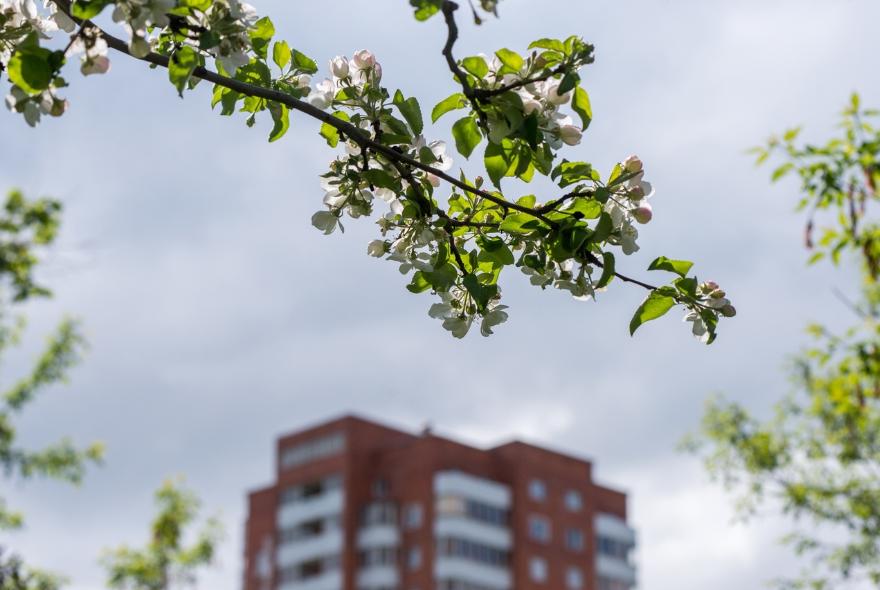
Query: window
point(380, 488)
point(412, 516)
point(454, 547)
point(379, 513)
point(574, 539)
point(612, 548)
point(573, 500)
point(574, 578)
point(539, 528)
point(312, 450)
point(414, 558)
point(537, 490)
point(538, 569)
point(310, 489)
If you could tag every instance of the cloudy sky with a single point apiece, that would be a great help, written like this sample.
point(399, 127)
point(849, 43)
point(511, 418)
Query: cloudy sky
point(219, 318)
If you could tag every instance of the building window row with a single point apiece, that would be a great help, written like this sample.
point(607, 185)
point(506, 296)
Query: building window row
point(312, 528)
point(454, 547)
point(378, 556)
point(379, 513)
point(309, 569)
point(539, 572)
point(312, 450)
point(311, 489)
point(572, 499)
point(613, 548)
point(458, 506)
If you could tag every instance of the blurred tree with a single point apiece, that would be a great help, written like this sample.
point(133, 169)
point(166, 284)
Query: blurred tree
point(166, 562)
point(818, 457)
point(25, 226)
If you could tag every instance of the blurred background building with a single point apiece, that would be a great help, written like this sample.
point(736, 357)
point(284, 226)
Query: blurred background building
point(360, 506)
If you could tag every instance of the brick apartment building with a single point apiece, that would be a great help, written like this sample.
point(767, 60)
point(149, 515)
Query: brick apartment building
point(360, 506)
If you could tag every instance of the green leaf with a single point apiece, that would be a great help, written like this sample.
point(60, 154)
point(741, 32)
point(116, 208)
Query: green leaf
point(679, 267)
point(330, 133)
point(581, 105)
point(552, 44)
point(425, 9)
point(450, 103)
point(281, 54)
point(475, 65)
point(281, 116)
point(86, 9)
point(607, 270)
point(380, 178)
point(181, 66)
point(419, 283)
point(410, 110)
point(782, 171)
point(655, 306)
point(30, 70)
point(467, 136)
point(519, 223)
point(303, 62)
point(494, 250)
point(569, 81)
point(496, 163)
point(511, 59)
point(481, 293)
point(261, 34)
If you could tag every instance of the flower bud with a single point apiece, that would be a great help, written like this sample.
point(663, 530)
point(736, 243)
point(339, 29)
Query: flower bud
point(339, 66)
point(632, 164)
point(643, 213)
point(59, 106)
point(570, 134)
point(728, 311)
point(709, 286)
point(530, 106)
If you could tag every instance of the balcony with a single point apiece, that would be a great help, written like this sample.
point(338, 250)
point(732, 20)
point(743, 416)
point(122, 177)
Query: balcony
point(378, 535)
point(611, 526)
point(466, 570)
point(378, 576)
point(309, 548)
point(458, 483)
point(615, 569)
point(462, 527)
point(331, 580)
point(315, 507)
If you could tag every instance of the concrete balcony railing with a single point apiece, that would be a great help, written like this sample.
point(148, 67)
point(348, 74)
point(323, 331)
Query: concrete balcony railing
point(331, 580)
point(293, 552)
point(466, 570)
point(616, 569)
point(327, 504)
point(378, 535)
point(378, 576)
point(462, 527)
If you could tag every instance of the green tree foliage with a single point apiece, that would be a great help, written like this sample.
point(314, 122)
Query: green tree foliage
point(25, 226)
point(819, 456)
point(166, 561)
point(452, 235)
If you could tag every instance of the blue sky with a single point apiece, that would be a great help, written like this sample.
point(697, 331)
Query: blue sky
point(219, 318)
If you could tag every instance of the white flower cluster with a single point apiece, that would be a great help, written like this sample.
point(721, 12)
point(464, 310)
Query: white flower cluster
point(137, 17)
point(26, 15)
point(567, 276)
point(542, 98)
point(341, 195)
point(33, 107)
point(361, 69)
point(456, 313)
point(94, 49)
point(711, 297)
point(630, 204)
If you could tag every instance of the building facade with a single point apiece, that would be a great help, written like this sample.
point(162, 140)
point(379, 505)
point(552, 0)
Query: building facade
point(360, 506)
